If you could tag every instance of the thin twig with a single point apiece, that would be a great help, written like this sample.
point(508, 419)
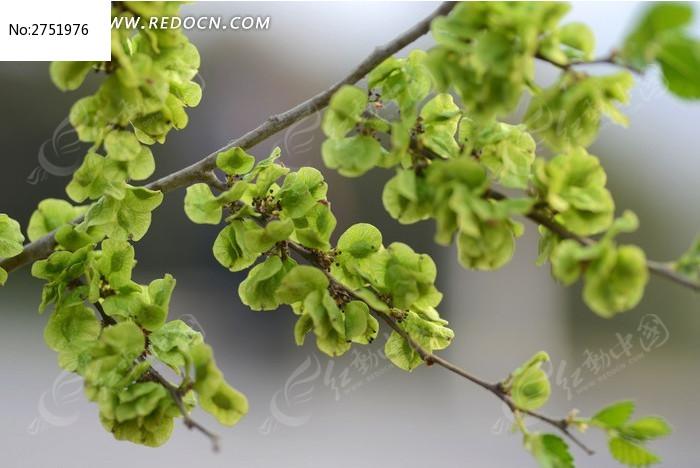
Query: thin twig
point(43, 247)
point(177, 398)
point(174, 391)
point(609, 60)
point(662, 269)
point(429, 358)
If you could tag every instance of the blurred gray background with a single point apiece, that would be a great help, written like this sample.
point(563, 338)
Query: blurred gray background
point(310, 411)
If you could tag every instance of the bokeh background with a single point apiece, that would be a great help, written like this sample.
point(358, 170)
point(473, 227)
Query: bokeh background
point(310, 411)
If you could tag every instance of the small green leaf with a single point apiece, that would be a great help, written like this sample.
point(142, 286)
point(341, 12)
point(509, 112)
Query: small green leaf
point(647, 38)
point(360, 240)
point(215, 395)
point(68, 76)
point(11, 237)
point(201, 206)
point(630, 453)
point(230, 247)
point(127, 219)
point(299, 282)
point(257, 291)
point(352, 156)
point(344, 111)
point(689, 263)
point(356, 319)
point(679, 59)
point(430, 335)
point(116, 262)
point(530, 387)
point(235, 161)
point(122, 145)
point(172, 342)
point(578, 36)
point(614, 415)
point(49, 215)
point(550, 451)
point(328, 322)
point(71, 326)
point(647, 428)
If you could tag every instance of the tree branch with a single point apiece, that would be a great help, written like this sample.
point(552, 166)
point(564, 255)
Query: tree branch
point(662, 269)
point(43, 247)
point(429, 358)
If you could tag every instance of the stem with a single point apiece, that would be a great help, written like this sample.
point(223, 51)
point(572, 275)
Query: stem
point(662, 269)
point(177, 398)
point(609, 60)
point(429, 358)
point(174, 391)
point(43, 247)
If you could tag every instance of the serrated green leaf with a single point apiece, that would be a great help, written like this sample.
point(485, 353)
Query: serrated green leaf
point(550, 451)
point(647, 428)
point(614, 415)
point(630, 453)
